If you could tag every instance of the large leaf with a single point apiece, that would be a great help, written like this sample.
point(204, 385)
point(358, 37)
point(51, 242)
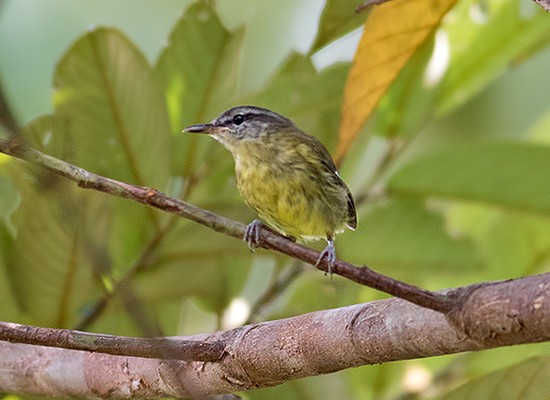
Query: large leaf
point(65, 236)
point(540, 132)
point(113, 113)
point(57, 246)
point(391, 35)
point(337, 19)
point(527, 380)
point(9, 308)
point(9, 200)
point(408, 103)
point(195, 261)
point(507, 174)
point(198, 72)
point(512, 243)
point(110, 117)
point(187, 67)
point(404, 235)
point(477, 52)
point(310, 98)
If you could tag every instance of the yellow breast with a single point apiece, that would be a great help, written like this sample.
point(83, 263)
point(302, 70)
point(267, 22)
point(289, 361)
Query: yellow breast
point(290, 194)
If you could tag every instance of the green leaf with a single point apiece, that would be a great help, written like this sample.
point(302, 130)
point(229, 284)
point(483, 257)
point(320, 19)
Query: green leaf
point(306, 96)
point(403, 234)
point(408, 103)
point(506, 174)
point(478, 55)
point(9, 199)
point(57, 248)
point(110, 117)
point(512, 243)
point(9, 308)
point(188, 66)
point(338, 18)
point(113, 113)
point(199, 74)
point(540, 131)
point(527, 380)
point(196, 261)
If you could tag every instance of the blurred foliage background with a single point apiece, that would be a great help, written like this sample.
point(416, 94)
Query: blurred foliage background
point(451, 174)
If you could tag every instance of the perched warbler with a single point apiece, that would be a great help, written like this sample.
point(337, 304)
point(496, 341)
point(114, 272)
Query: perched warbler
point(285, 175)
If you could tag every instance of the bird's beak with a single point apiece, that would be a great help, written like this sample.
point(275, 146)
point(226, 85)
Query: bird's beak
point(200, 128)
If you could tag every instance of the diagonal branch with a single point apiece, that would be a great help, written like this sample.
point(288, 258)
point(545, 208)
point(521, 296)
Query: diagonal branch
point(268, 239)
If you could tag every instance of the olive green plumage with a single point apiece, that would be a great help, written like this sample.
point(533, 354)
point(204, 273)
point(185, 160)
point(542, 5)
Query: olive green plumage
point(285, 175)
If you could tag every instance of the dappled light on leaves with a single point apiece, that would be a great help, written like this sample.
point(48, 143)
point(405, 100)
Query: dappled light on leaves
point(392, 33)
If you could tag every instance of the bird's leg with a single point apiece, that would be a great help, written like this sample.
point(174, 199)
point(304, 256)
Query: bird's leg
point(252, 234)
point(329, 254)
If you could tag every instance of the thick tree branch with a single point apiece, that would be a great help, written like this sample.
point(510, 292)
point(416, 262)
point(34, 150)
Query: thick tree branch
point(268, 239)
point(266, 354)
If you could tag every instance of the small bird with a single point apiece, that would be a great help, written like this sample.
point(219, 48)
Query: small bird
point(285, 175)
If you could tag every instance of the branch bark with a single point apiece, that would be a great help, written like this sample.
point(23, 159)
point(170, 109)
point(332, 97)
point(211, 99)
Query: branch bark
point(266, 354)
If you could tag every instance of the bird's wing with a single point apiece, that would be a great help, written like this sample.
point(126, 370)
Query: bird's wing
point(327, 162)
point(352, 214)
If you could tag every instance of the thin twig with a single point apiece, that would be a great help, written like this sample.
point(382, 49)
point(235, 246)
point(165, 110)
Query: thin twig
point(161, 348)
point(268, 239)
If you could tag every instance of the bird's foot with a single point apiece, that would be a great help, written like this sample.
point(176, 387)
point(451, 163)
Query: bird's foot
point(252, 234)
point(330, 255)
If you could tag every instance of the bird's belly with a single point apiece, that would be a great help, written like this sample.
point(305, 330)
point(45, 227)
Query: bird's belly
point(290, 203)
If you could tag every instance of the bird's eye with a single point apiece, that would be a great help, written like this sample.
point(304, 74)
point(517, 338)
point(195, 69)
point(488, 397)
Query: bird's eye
point(238, 119)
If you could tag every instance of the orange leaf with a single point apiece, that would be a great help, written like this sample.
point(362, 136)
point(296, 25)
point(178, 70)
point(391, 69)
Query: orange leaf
point(392, 33)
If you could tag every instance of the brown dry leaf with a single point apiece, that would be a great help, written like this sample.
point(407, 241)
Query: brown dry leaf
point(392, 33)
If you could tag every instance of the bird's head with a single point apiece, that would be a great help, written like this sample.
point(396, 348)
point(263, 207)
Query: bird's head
point(243, 124)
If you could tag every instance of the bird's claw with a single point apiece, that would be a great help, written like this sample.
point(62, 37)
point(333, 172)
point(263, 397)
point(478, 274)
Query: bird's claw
point(330, 255)
point(252, 234)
